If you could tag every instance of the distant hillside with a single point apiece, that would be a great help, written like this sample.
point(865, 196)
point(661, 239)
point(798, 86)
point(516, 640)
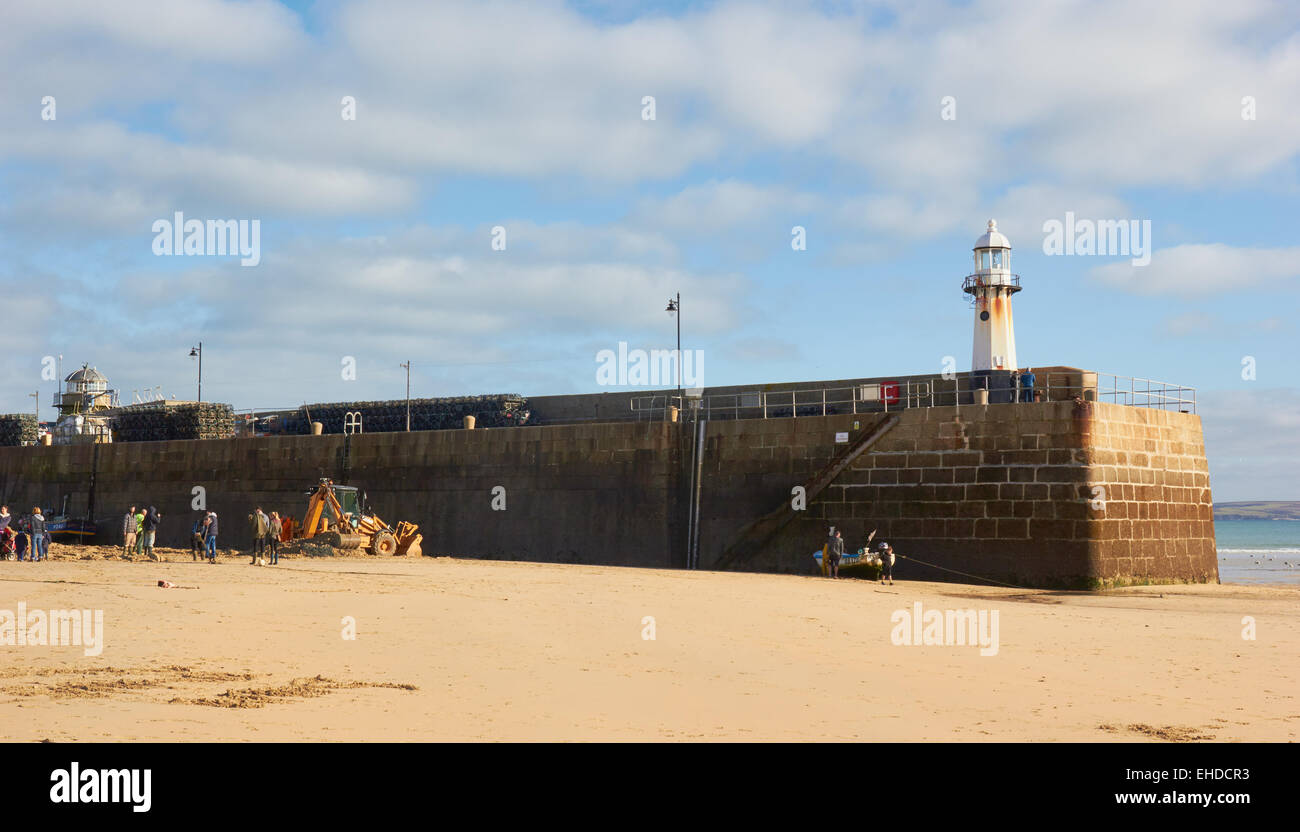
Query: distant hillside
point(1257, 510)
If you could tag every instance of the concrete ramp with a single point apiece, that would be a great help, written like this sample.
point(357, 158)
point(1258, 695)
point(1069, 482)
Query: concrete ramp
point(753, 537)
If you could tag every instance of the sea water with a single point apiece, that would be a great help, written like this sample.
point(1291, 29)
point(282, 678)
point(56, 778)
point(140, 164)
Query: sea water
point(1258, 551)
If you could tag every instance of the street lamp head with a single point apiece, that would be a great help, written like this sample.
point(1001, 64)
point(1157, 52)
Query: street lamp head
point(194, 352)
point(672, 307)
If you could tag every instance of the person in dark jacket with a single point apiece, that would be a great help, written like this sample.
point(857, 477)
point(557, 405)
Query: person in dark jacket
point(151, 520)
point(834, 551)
point(40, 536)
point(273, 537)
point(196, 537)
point(886, 554)
point(20, 544)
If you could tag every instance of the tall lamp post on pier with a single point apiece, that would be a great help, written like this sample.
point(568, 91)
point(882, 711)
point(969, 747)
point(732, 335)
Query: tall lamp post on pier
point(675, 310)
point(197, 352)
point(407, 365)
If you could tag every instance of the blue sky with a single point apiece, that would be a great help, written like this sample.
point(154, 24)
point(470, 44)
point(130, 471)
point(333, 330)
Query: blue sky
point(376, 232)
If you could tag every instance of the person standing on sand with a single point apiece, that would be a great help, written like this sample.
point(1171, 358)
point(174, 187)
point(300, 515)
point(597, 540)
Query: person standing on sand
point(150, 524)
point(210, 536)
point(40, 539)
point(886, 562)
point(273, 538)
point(196, 537)
point(20, 545)
point(128, 532)
point(834, 551)
point(6, 533)
point(139, 531)
point(258, 526)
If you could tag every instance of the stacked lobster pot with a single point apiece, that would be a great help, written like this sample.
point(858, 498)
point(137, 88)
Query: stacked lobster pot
point(158, 422)
point(18, 429)
point(489, 411)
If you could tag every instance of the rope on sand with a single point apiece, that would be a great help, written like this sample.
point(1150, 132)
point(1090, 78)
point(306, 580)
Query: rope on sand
point(967, 574)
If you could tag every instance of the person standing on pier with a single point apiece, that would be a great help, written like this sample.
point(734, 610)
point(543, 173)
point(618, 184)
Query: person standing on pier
point(1027, 385)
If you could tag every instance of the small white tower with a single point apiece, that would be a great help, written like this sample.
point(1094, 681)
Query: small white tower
point(991, 288)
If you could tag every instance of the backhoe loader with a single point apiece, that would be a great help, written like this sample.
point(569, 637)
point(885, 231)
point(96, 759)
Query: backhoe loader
point(336, 516)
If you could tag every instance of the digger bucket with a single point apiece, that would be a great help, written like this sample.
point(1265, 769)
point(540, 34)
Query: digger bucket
point(408, 539)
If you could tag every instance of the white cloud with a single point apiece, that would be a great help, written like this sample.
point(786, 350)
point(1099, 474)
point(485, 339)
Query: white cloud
point(250, 31)
point(714, 206)
point(277, 331)
point(1094, 95)
point(150, 170)
point(1252, 439)
point(1202, 269)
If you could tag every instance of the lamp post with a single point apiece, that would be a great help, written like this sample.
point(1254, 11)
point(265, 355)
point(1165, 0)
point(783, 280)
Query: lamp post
point(407, 365)
point(675, 310)
point(197, 352)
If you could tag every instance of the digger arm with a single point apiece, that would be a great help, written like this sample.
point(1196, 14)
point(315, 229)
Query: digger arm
point(323, 496)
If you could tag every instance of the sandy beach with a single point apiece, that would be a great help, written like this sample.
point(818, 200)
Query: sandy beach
point(452, 649)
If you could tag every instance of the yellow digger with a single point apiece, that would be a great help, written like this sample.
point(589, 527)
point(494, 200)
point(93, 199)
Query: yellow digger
point(335, 517)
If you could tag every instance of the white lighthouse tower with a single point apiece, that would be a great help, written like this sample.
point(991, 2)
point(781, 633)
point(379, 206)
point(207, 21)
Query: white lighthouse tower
point(991, 288)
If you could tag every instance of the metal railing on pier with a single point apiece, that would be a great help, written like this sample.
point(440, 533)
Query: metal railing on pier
point(964, 388)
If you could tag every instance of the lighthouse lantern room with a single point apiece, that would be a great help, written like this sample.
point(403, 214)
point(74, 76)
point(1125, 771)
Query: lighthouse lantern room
point(991, 287)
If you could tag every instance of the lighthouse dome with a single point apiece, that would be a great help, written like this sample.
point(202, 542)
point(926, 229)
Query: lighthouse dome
point(86, 375)
point(992, 238)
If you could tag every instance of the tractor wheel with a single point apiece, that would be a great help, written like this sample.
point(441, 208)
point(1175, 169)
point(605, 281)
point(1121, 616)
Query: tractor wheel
point(384, 544)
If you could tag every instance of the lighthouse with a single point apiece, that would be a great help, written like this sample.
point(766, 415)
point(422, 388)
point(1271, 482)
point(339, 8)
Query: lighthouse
point(991, 287)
